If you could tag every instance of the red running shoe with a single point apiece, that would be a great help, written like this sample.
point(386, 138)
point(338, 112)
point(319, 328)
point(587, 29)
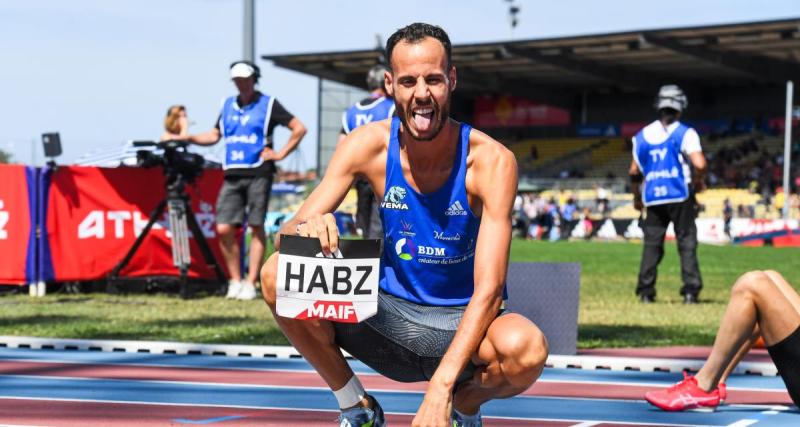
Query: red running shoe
point(723, 392)
point(684, 396)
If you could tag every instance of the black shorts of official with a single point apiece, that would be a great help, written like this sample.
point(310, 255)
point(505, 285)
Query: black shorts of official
point(786, 356)
point(403, 341)
point(240, 192)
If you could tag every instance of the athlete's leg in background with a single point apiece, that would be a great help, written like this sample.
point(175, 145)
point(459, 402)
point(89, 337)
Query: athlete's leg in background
point(740, 354)
point(509, 359)
point(758, 298)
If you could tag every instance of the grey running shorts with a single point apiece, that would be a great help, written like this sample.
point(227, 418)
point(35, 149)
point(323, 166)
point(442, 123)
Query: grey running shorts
point(240, 192)
point(403, 341)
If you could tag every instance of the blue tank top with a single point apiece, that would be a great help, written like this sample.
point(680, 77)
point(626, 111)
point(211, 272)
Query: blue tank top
point(664, 181)
point(357, 115)
point(429, 239)
point(243, 131)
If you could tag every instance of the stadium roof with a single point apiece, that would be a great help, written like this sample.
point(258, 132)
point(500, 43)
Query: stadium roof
point(743, 54)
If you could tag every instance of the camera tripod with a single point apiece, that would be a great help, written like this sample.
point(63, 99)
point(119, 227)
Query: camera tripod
point(181, 221)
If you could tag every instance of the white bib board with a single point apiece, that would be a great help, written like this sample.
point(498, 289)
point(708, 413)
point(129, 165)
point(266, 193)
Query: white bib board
point(339, 288)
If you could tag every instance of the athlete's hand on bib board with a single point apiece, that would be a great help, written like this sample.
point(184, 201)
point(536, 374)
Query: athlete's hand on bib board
point(322, 227)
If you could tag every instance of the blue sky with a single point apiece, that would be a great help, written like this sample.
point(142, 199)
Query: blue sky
point(104, 71)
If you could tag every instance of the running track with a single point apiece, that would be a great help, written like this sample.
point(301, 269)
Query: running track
point(94, 388)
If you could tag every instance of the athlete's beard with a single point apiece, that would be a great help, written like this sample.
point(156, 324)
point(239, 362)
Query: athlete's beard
point(440, 116)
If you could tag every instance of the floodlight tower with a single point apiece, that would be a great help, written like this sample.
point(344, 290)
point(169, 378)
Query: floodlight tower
point(249, 32)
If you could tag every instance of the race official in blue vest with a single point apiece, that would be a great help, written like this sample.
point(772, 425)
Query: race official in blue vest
point(447, 193)
point(377, 106)
point(667, 170)
point(245, 125)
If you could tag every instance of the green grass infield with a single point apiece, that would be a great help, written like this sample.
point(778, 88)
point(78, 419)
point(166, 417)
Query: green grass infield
point(610, 315)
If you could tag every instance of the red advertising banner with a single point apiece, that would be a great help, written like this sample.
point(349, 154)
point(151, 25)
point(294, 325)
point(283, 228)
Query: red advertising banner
point(778, 124)
point(16, 237)
point(628, 129)
point(509, 111)
point(95, 214)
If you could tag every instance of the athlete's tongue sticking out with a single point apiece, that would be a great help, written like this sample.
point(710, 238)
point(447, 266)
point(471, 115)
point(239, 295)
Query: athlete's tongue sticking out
point(423, 118)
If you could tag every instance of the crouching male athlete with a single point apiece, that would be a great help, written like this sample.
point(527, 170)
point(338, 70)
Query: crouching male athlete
point(762, 304)
point(448, 192)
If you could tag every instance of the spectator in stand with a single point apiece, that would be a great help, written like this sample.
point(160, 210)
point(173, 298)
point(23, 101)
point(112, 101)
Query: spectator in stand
point(176, 124)
point(530, 206)
point(727, 216)
point(662, 182)
point(553, 221)
point(569, 210)
point(585, 221)
point(518, 217)
point(601, 200)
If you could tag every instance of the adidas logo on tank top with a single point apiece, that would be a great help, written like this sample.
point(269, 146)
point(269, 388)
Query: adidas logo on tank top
point(455, 209)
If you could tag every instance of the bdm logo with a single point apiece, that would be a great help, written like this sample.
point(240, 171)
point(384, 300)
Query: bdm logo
point(405, 249)
point(341, 311)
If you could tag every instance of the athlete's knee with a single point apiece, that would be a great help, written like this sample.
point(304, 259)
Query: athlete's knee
point(523, 353)
point(750, 284)
point(774, 275)
point(269, 274)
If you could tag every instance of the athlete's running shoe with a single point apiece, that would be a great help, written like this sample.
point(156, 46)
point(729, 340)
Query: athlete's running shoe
point(363, 417)
point(723, 392)
point(458, 420)
point(683, 396)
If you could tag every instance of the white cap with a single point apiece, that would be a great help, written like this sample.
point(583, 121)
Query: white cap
point(242, 70)
point(671, 96)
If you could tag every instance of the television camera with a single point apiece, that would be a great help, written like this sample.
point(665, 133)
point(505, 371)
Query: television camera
point(176, 160)
point(180, 168)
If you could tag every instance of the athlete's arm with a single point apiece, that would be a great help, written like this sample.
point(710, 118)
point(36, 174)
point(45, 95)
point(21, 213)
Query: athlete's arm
point(494, 183)
point(315, 218)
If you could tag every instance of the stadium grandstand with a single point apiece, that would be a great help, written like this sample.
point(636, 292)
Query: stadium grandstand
point(568, 106)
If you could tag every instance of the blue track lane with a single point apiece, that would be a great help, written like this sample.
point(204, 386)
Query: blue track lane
point(300, 398)
point(224, 362)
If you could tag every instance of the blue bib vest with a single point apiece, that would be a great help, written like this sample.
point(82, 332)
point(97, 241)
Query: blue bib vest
point(664, 180)
point(357, 115)
point(429, 239)
point(243, 131)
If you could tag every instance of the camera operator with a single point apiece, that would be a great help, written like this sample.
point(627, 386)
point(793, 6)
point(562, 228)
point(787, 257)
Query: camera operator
point(245, 125)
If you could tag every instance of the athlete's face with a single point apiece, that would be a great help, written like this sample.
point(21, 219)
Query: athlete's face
point(421, 82)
